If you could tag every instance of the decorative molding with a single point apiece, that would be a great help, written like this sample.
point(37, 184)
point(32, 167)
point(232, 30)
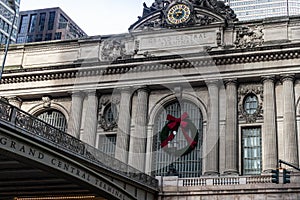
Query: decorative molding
point(247, 37)
point(244, 91)
point(202, 12)
point(104, 103)
point(72, 71)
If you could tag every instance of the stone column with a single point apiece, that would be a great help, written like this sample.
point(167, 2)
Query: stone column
point(91, 118)
point(138, 138)
point(122, 143)
point(76, 114)
point(231, 131)
point(212, 135)
point(15, 101)
point(269, 134)
point(289, 121)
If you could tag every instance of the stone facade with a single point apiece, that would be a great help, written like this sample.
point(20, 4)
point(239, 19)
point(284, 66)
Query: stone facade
point(215, 66)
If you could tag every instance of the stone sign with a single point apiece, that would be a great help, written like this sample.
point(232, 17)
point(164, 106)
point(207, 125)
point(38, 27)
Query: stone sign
point(65, 166)
point(178, 40)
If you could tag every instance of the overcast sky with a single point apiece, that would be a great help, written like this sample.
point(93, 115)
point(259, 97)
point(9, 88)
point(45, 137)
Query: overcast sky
point(95, 17)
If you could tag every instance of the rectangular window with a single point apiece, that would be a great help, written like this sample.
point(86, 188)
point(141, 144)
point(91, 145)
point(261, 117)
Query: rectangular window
point(38, 37)
point(29, 38)
point(57, 36)
point(42, 21)
point(23, 24)
point(32, 23)
point(63, 22)
point(251, 150)
point(51, 20)
point(48, 36)
point(107, 144)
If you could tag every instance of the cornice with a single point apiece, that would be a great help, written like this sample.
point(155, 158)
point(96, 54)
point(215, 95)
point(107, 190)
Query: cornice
point(96, 68)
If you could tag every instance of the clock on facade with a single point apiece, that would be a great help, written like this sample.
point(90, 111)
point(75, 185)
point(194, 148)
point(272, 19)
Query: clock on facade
point(178, 14)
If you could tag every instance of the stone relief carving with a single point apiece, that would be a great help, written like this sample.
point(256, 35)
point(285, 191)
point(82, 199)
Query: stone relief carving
point(104, 103)
point(46, 101)
point(247, 37)
point(243, 92)
point(116, 49)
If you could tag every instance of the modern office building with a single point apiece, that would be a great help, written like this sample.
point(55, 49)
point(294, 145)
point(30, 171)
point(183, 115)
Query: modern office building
point(47, 24)
point(190, 104)
point(258, 9)
point(6, 20)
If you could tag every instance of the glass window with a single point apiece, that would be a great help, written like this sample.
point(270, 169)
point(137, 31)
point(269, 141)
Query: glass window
point(251, 104)
point(186, 165)
point(107, 144)
point(42, 21)
point(32, 23)
point(54, 118)
point(29, 38)
point(57, 36)
point(251, 151)
point(51, 20)
point(110, 114)
point(38, 37)
point(63, 22)
point(48, 36)
point(24, 24)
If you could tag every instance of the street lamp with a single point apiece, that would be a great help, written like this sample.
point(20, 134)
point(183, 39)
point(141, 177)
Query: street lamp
point(12, 5)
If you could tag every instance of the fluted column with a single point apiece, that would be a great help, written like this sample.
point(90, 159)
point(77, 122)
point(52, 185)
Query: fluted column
point(231, 133)
point(138, 139)
point(122, 143)
point(76, 114)
point(289, 121)
point(91, 118)
point(15, 101)
point(269, 134)
point(212, 135)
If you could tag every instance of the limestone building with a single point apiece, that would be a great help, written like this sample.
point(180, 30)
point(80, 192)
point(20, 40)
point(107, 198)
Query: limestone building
point(203, 102)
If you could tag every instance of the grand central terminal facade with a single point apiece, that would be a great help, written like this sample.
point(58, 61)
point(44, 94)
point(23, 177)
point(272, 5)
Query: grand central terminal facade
point(190, 96)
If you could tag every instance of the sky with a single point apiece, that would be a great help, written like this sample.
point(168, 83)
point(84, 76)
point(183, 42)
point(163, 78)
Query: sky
point(95, 17)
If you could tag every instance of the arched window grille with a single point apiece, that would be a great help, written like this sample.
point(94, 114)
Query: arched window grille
point(189, 165)
point(54, 118)
point(251, 104)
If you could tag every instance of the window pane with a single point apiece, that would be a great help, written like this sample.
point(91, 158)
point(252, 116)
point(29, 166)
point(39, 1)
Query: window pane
point(51, 20)
point(32, 23)
point(189, 165)
point(251, 104)
point(54, 118)
point(42, 21)
point(107, 144)
point(252, 157)
point(24, 24)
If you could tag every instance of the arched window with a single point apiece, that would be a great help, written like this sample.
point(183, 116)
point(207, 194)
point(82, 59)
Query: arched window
point(54, 118)
point(251, 104)
point(168, 162)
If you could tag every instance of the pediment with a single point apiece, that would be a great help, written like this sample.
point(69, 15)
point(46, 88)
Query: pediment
point(198, 13)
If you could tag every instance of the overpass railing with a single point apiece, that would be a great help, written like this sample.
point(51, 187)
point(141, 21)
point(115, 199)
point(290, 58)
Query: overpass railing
point(35, 127)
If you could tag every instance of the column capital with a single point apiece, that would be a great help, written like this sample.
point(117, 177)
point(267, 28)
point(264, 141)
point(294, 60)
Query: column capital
point(125, 89)
point(287, 77)
point(144, 88)
point(212, 83)
point(92, 93)
point(232, 81)
point(77, 93)
point(268, 78)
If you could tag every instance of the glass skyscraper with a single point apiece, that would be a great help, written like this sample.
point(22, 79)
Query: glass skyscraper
point(6, 20)
point(258, 9)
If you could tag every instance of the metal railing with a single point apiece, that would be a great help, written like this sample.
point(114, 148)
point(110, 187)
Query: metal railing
point(35, 127)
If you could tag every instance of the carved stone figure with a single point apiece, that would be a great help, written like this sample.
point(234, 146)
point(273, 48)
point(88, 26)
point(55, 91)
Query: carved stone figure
point(247, 37)
point(115, 49)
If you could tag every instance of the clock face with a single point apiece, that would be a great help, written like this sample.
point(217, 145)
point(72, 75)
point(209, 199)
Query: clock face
point(179, 13)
